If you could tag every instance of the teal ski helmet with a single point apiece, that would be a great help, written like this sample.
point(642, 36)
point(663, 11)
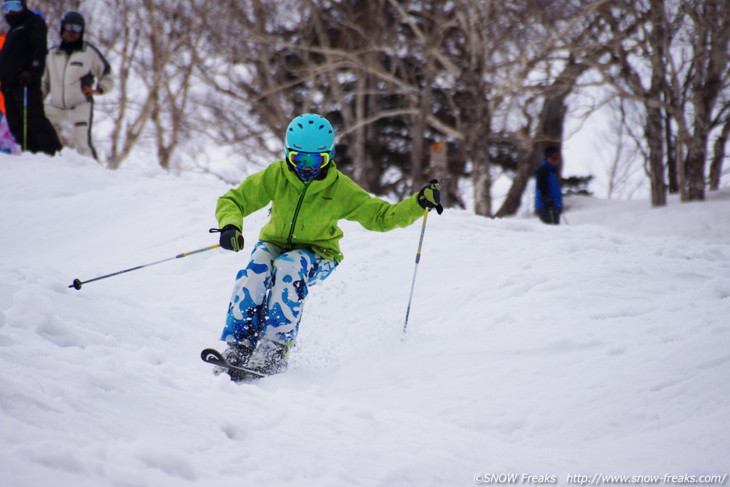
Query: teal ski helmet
point(309, 145)
point(310, 133)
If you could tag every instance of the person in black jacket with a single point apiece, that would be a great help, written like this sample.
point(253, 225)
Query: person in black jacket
point(22, 62)
point(548, 194)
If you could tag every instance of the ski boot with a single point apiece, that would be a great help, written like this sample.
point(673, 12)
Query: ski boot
point(238, 355)
point(269, 357)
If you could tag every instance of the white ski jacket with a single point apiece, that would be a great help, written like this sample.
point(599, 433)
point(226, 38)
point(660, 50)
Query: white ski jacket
point(65, 75)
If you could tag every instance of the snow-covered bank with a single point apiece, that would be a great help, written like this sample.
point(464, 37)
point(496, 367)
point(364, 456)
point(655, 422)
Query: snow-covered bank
point(596, 347)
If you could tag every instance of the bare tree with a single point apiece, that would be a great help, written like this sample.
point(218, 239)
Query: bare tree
point(175, 48)
point(688, 63)
point(549, 131)
point(489, 79)
point(710, 42)
point(573, 42)
point(129, 116)
point(649, 48)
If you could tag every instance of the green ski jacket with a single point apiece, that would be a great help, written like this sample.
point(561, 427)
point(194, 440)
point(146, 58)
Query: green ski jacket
point(305, 215)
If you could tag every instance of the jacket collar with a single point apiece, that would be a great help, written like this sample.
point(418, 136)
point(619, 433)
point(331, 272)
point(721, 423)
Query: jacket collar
point(58, 48)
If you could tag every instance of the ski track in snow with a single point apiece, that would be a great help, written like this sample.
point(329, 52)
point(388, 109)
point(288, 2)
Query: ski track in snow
point(600, 346)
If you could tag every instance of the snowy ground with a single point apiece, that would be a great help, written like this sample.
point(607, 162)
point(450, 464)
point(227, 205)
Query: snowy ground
point(599, 347)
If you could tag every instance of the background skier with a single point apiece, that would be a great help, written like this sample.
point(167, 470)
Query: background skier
point(299, 246)
point(75, 72)
point(548, 194)
point(7, 141)
point(22, 61)
point(3, 35)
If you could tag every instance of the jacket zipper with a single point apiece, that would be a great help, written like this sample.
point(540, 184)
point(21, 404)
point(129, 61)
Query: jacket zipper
point(296, 214)
point(63, 82)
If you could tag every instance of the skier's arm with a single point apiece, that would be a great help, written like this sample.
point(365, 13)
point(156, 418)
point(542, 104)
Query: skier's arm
point(379, 215)
point(39, 49)
point(102, 70)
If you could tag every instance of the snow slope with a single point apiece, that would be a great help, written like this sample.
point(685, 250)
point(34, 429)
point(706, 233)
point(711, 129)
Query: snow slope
point(599, 347)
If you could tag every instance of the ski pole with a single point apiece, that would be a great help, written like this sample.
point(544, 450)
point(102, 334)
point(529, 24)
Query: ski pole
point(77, 283)
point(415, 270)
point(25, 118)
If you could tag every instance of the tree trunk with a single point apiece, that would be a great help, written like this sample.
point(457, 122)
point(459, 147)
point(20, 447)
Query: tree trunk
point(669, 142)
point(360, 162)
point(527, 163)
point(653, 130)
point(653, 133)
point(439, 169)
point(718, 156)
point(482, 188)
point(695, 167)
point(419, 125)
point(477, 148)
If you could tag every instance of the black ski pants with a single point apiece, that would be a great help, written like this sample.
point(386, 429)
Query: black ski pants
point(549, 215)
point(41, 135)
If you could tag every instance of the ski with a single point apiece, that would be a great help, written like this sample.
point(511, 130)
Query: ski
point(214, 357)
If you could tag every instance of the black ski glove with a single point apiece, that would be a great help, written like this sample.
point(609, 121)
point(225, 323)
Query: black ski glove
point(231, 238)
point(548, 202)
point(430, 196)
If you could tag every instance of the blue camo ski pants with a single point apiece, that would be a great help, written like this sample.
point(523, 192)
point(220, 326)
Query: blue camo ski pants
point(269, 294)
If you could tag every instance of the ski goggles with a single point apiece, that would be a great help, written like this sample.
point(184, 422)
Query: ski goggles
point(12, 6)
point(311, 161)
point(73, 28)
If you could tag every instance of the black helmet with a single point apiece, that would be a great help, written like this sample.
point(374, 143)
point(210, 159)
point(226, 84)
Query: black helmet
point(72, 18)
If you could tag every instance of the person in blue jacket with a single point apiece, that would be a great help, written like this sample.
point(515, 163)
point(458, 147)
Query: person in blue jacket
point(548, 195)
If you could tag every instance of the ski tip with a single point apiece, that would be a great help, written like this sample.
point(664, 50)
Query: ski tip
point(211, 355)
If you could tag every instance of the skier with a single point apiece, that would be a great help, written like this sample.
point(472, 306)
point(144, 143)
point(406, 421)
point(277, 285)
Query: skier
point(3, 34)
point(22, 61)
point(71, 71)
point(7, 141)
point(548, 195)
point(299, 246)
